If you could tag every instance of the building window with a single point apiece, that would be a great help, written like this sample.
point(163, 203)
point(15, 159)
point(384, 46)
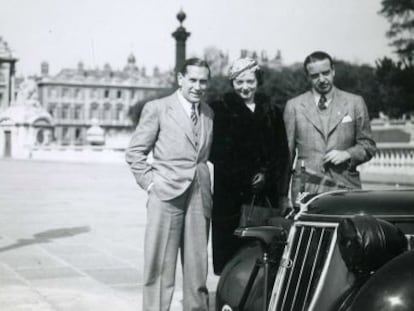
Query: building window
point(119, 112)
point(78, 136)
point(107, 112)
point(65, 136)
point(65, 112)
point(78, 133)
point(94, 112)
point(78, 93)
point(51, 92)
point(65, 92)
point(106, 93)
point(77, 114)
point(93, 93)
point(119, 94)
point(140, 95)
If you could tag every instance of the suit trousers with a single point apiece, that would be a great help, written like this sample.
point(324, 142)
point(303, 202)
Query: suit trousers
point(178, 224)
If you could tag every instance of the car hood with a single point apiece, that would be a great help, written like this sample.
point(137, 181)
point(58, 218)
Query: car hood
point(376, 202)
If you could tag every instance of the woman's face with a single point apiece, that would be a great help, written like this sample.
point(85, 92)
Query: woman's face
point(245, 85)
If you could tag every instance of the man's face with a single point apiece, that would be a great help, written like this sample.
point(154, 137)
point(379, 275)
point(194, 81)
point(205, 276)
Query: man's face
point(245, 85)
point(321, 76)
point(193, 83)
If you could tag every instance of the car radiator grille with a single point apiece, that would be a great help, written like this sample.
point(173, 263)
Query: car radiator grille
point(307, 256)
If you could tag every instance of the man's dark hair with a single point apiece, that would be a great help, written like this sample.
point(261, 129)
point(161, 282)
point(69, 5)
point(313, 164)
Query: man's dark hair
point(195, 61)
point(317, 56)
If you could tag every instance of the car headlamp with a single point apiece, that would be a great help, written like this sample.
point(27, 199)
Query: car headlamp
point(366, 243)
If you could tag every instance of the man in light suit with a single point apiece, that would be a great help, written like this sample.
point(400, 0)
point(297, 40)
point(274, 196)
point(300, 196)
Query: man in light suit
point(178, 130)
point(328, 129)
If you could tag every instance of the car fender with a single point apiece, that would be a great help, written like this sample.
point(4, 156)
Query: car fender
point(389, 288)
point(234, 278)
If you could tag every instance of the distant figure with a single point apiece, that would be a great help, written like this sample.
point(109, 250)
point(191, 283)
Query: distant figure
point(328, 129)
point(250, 156)
point(178, 130)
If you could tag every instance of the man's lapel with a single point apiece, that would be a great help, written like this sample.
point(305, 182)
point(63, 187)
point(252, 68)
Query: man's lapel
point(177, 113)
point(205, 125)
point(311, 113)
point(338, 111)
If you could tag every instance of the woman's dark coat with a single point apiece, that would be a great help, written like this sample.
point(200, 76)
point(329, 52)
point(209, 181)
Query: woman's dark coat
point(244, 144)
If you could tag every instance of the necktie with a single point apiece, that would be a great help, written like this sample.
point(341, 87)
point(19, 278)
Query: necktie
point(194, 116)
point(322, 103)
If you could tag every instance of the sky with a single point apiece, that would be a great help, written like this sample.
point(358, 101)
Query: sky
point(64, 32)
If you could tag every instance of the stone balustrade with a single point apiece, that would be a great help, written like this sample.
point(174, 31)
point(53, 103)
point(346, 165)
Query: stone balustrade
point(392, 158)
point(99, 154)
point(392, 164)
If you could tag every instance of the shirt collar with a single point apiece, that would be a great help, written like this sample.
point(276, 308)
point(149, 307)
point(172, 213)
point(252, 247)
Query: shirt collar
point(184, 101)
point(328, 96)
point(187, 105)
point(251, 106)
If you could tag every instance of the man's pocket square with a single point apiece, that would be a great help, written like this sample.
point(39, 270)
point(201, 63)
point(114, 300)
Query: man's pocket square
point(346, 119)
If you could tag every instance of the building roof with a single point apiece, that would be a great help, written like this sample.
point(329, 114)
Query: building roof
point(130, 76)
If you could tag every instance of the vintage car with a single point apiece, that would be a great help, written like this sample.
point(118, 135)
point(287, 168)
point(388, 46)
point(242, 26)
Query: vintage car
point(342, 250)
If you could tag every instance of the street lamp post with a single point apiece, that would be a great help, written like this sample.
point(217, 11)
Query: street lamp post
point(180, 35)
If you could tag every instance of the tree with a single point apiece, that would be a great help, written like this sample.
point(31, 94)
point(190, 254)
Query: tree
point(289, 81)
point(387, 87)
point(134, 112)
point(281, 85)
point(362, 80)
point(218, 61)
point(400, 14)
point(395, 94)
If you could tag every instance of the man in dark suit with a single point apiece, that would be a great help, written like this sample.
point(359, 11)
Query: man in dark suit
point(328, 129)
point(178, 131)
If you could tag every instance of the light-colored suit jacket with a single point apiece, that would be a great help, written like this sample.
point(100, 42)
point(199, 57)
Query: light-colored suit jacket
point(165, 129)
point(348, 129)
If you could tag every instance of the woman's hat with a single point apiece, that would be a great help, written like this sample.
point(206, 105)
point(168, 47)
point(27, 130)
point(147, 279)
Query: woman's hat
point(241, 65)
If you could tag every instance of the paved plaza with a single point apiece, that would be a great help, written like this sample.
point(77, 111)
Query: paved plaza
point(71, 238)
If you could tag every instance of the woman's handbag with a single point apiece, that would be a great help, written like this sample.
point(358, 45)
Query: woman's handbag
point(255, 214)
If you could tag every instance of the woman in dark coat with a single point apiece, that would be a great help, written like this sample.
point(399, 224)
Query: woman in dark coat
point(249, 153)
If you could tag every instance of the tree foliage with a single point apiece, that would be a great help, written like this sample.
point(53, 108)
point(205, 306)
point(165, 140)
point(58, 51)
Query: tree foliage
point(387, 87)
point(400, 14)
point(289, 81)
point(395, 92)
point(218, 61)
point(134, 112)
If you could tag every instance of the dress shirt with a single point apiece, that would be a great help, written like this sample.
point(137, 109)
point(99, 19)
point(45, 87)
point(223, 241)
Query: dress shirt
point(251, 106)
point(187, 105)
point(328, 97)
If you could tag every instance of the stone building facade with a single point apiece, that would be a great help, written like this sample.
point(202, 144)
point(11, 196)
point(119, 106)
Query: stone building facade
point(79, 98)
point(7, 75)
point(7, 93)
